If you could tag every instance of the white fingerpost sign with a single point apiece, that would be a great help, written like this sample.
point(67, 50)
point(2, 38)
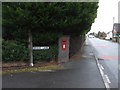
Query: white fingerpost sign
point(40, 47)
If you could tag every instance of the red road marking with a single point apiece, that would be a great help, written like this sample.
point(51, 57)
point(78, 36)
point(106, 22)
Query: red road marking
point(102, 45)
point(109, 57)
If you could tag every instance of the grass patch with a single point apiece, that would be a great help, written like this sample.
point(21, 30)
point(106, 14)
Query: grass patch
point(51, 67)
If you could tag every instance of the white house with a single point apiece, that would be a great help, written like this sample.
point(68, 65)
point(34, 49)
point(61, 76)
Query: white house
point(109, 35)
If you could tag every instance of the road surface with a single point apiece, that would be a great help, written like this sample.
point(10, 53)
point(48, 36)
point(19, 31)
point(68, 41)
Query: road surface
point(78, 73)
point(107, 55)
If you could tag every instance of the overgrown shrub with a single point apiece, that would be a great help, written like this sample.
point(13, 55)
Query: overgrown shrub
point(47, 54)
point(16, 51)
point(13, 51)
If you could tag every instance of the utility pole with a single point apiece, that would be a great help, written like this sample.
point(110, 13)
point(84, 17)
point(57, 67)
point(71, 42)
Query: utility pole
point(113, 20)
point(113, 28)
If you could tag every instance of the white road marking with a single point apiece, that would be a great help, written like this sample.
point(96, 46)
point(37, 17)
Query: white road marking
point(101, 71)
point(43, 71)
point(102, 67)
point(105, 79)
point(107, 86)
point(108, 80)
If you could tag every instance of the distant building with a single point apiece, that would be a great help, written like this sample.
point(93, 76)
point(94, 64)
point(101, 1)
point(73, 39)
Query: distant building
point(102, 35)
point(116, 32)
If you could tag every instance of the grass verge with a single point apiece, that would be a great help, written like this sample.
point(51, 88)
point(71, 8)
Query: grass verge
point(51, 67)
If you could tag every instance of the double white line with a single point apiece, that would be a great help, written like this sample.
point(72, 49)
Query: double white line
point(105, 78)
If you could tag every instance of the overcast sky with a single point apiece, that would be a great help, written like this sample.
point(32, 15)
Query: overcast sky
point(106, 11)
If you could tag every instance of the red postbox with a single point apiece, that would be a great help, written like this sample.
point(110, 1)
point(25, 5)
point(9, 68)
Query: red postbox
point(63, 44)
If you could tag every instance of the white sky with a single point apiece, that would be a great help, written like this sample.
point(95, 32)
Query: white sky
point(106, 11)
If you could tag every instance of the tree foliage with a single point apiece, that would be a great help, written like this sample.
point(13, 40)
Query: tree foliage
point(101, 34)
point(55, 17)
point(45, 21)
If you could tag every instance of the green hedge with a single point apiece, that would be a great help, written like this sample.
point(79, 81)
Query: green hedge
point(47, 55)
point(13, 51)
point(16, 51)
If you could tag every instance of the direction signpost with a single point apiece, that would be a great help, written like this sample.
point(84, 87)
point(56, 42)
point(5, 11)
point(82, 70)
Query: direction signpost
point(40, 47)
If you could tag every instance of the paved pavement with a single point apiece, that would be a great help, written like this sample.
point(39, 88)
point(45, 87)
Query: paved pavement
point(78, 73)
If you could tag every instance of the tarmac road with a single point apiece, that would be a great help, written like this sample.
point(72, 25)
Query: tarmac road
point(78, 73)
point(107, 54)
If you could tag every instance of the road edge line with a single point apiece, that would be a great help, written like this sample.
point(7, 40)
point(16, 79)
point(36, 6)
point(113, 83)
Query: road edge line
point(107, 86)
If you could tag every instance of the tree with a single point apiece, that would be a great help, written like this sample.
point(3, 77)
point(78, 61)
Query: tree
point(67, 18)
point(21, 18)
point(101, 34)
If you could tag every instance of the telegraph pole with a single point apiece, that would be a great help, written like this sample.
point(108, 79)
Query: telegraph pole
point(113, 28)
point(113, 20)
